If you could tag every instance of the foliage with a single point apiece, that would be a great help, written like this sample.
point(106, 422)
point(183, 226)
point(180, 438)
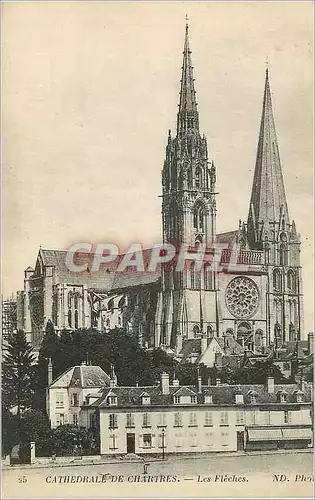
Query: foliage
point(31, 425)
point(253, 374)
point(72, 440)
point(34, 426)
point(10, 432)
point(117, 347)
point(18, 373)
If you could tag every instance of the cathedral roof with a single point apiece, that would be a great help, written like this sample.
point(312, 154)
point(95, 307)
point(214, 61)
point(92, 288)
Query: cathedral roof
point(107, 278)
point(268, 200)
point(228, 237)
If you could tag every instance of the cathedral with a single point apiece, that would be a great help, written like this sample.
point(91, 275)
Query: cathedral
point(254, 295)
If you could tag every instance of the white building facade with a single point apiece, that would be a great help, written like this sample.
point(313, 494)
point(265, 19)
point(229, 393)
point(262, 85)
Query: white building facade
point(173, 419)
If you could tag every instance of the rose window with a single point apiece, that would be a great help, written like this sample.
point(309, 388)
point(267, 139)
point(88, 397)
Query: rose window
point(242, 297)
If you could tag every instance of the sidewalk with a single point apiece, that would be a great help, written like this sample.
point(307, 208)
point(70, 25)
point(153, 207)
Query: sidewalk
point(168, 458)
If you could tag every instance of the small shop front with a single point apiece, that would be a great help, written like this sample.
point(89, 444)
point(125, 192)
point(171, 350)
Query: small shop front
point(274, 438)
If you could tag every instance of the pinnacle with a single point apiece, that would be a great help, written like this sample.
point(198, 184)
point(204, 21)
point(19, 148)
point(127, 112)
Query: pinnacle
point(188, 119)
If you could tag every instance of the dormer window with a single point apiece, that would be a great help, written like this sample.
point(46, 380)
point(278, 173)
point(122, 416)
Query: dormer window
point(146, 400)
point(239, 399)
point(176, 400)
point(208, 399)
point(193, 399)
point(282, 397)
point(299, 396)
point(253, 397)
point(112, 400)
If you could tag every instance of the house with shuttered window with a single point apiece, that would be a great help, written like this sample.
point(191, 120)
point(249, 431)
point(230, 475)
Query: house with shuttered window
point(68, 392)
point(169, 418)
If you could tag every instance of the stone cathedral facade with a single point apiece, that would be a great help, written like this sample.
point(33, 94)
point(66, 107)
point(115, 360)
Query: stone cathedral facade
point(255, 292)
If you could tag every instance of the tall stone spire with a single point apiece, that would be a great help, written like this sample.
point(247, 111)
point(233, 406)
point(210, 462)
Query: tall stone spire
point(187, 118)
point(268, 205)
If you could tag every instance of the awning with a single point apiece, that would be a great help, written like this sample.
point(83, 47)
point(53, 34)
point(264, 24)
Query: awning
point(264, 434)
point(297, 434)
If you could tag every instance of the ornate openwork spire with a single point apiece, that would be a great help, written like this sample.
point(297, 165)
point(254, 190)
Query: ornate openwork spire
point(187, 119)
point(268, 203)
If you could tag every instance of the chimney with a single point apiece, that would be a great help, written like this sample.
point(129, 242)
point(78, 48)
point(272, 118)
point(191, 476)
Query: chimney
point(50, 374)
point(113, 378)
point(310, 342)
point(270, 385)
point(165, 383)
point(217, 381)
point(204, 344)
point(175, 381)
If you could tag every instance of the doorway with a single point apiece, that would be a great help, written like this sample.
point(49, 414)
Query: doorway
point(131, 443)
point(240, 441)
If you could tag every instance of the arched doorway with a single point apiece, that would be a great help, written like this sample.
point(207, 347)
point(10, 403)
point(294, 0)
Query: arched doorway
point(244, 334)
point(259, 339)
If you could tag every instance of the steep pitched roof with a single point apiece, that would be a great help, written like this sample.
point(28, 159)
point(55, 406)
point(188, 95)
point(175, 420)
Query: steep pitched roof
point(107, 278)
point(230, 346)
point(83, 376)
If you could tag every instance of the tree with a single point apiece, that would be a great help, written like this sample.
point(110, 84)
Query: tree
point(69, 439)
point(10, 432)
point(34, 426)
point(18, 373)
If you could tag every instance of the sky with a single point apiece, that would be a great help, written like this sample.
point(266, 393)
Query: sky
point(90, 90)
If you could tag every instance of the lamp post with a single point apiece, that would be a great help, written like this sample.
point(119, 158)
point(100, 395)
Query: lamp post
point(163, 444)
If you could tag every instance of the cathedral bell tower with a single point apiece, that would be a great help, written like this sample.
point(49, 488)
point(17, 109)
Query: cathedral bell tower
point(188, 181)
point(188, 213)
point(269, 229)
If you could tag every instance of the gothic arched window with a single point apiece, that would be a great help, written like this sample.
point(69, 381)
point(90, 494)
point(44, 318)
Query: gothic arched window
point(267, 253)
point(209, 331)
point(283, 255)
point(69, 318)
point(199, 219)
point(291, 281)
point(277, 281)
point(76, 319)
point(76, 301)
point(208, 277)
point(198, 178)
point(192, 275)
point(196, 330)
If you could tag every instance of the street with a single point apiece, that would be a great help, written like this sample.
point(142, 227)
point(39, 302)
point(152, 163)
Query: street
point(288, 474)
